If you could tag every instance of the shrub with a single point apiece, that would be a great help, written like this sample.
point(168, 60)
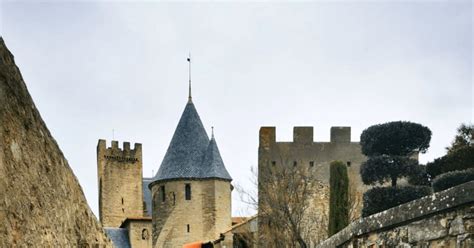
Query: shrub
point(395, 138)
point(338, 197)
point(419, 176)
point(450, 179)
point(379, 199)
point(461, 159)
point(380, 169)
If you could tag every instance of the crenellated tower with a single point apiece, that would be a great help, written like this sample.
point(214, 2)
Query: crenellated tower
point(314, 157)
point(120, 182)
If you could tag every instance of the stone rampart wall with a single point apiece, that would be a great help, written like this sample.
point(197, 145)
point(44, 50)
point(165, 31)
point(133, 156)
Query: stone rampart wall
point(443, 219)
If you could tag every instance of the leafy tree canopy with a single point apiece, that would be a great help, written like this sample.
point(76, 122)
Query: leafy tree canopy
point(462, 139)
point(461, 159)
point(379, 199)
point(384, 168)
point(398, 138)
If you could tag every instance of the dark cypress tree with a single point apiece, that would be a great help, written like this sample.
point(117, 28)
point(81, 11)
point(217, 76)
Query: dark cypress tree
point(338, 197)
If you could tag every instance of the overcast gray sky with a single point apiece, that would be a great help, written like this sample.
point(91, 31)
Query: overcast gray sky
point(96, 66)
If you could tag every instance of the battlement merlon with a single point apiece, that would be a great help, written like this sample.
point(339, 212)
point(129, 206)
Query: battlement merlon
point(303, 135)
point(267, 136)
point(102, 147)
point(341, 134)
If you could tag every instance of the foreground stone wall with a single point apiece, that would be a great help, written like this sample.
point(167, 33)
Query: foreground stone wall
point(41, 201)
point(444, 219)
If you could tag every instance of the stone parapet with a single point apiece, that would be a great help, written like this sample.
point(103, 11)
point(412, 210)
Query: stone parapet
point(444, 218)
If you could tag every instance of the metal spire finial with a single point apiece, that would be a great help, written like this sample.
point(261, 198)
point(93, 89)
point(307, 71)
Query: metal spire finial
point(212, 132)
point(189, 61)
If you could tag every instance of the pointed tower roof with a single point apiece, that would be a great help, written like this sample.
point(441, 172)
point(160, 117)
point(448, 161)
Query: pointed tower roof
point(187, 150)
point(212, 164)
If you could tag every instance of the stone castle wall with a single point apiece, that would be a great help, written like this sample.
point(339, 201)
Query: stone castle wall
point(120, 182)
point(303, 150)
point(443, 219)
point(41, 201)
point(208, 212)
point(316, 157)
point(139, 233)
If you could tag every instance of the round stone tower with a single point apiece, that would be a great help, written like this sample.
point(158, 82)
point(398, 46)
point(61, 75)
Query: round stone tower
point(191, 191)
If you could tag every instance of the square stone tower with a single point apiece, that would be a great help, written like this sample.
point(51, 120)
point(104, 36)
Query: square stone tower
point(315, 158)
point(120, 182)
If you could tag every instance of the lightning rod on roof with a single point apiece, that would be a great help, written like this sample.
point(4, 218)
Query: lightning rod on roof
point(189, 62)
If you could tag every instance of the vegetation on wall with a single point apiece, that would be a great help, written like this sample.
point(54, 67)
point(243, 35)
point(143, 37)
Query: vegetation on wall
point(457, 166)
point(461, 159)
point(379, 199)
point(338, 197)
point(390, 148)
point(453, 178)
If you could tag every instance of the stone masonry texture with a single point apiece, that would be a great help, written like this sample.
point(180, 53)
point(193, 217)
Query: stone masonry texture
point(120, 182)
point(316, 156)
point(443, 219)
point(208, 213)
point(41, 201)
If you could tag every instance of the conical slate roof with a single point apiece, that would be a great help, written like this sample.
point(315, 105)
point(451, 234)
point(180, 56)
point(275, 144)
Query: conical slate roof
point(212, 163)
point(190, 154)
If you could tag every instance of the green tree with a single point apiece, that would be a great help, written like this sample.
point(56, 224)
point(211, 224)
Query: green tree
point(460, 159)
point(462, 139)
point(390, 148)
point(456, 166)
point(338, 197)
point(397, 138)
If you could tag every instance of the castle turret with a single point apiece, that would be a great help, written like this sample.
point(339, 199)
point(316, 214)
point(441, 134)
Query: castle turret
point(191, 191)
point(120, 182)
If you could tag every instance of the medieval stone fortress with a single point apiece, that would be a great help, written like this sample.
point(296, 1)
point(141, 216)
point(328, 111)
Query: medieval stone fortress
point(188, 200)
point(341, 193)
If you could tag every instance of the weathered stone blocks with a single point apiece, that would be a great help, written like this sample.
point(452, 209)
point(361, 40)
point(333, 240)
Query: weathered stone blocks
point(444, 219)
point(41, 201)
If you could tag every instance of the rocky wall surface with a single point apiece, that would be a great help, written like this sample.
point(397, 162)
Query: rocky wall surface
point(443, 219)
point(41, 201)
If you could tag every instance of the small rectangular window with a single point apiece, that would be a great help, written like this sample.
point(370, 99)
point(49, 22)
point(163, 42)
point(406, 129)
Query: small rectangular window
point(187, 191)
point(295, 163)
point(274, 163)
point(163, 193)
point(311, 163)
point(188, 228)
point(348, 163)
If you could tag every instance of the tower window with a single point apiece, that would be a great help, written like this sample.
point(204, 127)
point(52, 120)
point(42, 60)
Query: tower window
point(274, 163)
point(348, 163)
point(187, 191)
point(295, 163)
point(162, 191)
point(145, 234)
point(122, 200)
point(311, 163)
point(188, 228)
